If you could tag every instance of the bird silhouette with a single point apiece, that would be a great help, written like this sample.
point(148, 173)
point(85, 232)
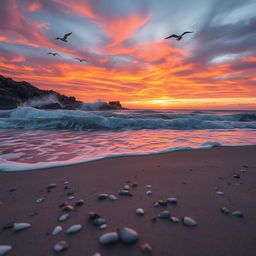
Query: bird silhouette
point(81, 60)
point(53, 53)
point(178, 38)
point(64, 38)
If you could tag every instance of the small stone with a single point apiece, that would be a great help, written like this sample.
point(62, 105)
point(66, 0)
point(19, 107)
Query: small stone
point(56, 230)
point(80, 202)
point(50, 186)
point(172, 200)
point(64, 217)
point(71, 197)
point(134, 185)
point(99, 221)
point(163, 202)
point(40, 200)
point(224, 210)
point(66, 183)
point(109, 238)
point(112, 197)
point(187, 221)
point(74, 229)
point(156, 204)
point(66, 187)
point(127, 235)
point(21, 226)
point(164, 215)
point(220, 193)
point(4, 249)
point(126, 187)
point(96, 254)
point(61, 246)
point(68, 208)
point(174, 219)
point(124, 193)
point(238, 214)
point(146, 248)
point(93, 215)
point(236, 176)
point(140, 211)
point(103, 226)
point(70, 193)
point(148, 186)
point(149, 192)
point(102, 196)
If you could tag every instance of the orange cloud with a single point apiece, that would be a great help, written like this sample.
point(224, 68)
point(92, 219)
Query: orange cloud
point(34, 6)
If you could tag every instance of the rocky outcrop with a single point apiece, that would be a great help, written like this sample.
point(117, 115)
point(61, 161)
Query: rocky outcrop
point(13, 94)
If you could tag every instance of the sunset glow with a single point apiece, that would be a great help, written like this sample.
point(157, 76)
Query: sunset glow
point(129, 59)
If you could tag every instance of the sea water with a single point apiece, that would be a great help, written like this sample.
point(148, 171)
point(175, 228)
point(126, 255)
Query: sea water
point(31, 138)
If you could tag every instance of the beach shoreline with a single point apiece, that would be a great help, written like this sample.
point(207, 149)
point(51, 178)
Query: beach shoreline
point(192, 176)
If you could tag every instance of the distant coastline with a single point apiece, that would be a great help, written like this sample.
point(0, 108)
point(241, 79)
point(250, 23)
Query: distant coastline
point(14, 94)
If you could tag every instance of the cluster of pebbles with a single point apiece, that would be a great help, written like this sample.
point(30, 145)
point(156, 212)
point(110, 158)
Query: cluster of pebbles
point(125, 235)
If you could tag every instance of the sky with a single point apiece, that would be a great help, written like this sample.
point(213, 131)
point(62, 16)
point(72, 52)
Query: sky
point(129, 59)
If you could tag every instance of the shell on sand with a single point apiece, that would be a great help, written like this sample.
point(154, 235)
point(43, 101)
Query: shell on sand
point(57, 230)
point(164, 215)
point(127, 235)
point(64, 217)
point(21, 226)
point(109, 238)
point(61, 246)
point(140, 211)
point(187, 221)
point(4, 249)
point(74, 229)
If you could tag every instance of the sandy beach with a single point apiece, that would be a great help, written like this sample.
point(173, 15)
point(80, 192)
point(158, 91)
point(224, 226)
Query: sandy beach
point(193, 177)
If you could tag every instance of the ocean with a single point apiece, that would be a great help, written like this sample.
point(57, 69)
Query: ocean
point(31, 138)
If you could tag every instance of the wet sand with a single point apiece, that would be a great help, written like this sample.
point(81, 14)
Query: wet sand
point(190, 176)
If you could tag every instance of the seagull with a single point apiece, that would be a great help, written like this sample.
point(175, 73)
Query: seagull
point(81, 60)
point(64, 38)
point(53, 53)
point(178, 38)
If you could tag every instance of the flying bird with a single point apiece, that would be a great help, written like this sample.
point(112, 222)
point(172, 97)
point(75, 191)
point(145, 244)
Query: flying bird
point(81, 60)
point(64, 38)
point(178, 38)
point(53, 53)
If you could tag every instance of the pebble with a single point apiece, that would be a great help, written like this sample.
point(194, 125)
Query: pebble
point(96, 254)
point(146, 248)
point(102, 196)
point(172, 200)
point(112, 197)
point(99, 221)
point(4, 249)
point(56, 230)
point(237, 176)
point(71, 197)
point(21, 226)
point(66, 183)
point(103, 226)
point(238, 214)
point(80, 202)
point(220, 193)
point(61, 246)
point(149, 192)
point(126, 187)
point(68, 208)
point(134, 185)
point(155, 204)
point(109, 238)
point(64, 217)
point(187, 221)
point(164, 215)
point(140, 211)
point(127, 235)
point(124, 193)
point(93, 215)
point(53, 185)
point(163, 202)
point(74, 229)
point(40, 200)
point(174, 219)
point(148, 186)
point(224, 210)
